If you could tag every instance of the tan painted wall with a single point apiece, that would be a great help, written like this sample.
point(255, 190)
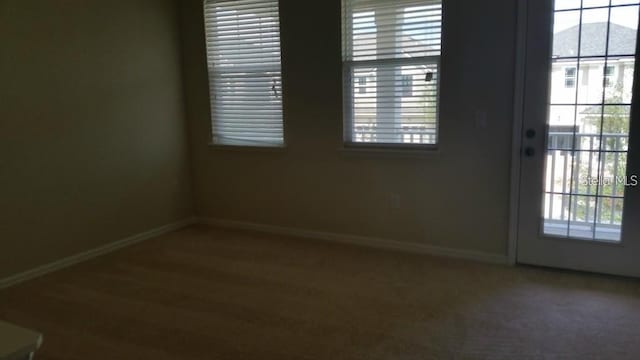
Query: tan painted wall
point(456, 198)
point(93, 142)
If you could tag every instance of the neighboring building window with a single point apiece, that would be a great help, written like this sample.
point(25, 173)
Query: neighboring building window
point(362, 84)
point(570, 77)
point(245, 83)
point(609, 72)
point(407, 85)
point(398, 43)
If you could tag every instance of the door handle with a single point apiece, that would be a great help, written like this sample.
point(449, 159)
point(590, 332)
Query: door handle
point(530, 134)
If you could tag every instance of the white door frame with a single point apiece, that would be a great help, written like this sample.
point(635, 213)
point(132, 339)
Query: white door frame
point(520, 74)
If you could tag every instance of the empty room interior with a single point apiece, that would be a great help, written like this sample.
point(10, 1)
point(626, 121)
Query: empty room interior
point(319, 179)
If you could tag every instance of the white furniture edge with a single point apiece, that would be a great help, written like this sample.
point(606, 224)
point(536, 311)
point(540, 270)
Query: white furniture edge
point(360, 240)
point(24, 351)
point(90, 254)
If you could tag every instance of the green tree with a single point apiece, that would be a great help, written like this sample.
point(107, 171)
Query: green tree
point(612, 126)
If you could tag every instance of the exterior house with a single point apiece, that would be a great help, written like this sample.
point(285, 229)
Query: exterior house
point(590, 90)
point(583, 83)
point(406, 93)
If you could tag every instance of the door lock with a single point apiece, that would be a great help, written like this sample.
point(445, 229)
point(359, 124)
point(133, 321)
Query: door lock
point(529, 151)
point(530, 134)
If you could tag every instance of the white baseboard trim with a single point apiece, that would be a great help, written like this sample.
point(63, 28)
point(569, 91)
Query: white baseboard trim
point(90, 254)
point(360, 240)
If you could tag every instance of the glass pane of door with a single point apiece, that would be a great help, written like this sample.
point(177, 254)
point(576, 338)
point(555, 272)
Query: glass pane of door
point(592, 70)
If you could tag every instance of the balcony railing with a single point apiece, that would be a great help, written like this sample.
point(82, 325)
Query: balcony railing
point(584, 194)
point(404, 134)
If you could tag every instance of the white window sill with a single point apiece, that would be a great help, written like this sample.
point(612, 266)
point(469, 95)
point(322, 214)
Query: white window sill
point(247, 148)
point(390, 150)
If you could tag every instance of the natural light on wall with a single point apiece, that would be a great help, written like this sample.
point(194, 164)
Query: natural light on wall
point(391, 58)
point(243, 51)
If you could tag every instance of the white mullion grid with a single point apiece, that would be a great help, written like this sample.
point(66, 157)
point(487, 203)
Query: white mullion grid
point(575, 119)
point(612, 6)
point(601, 151)
point(599, 188)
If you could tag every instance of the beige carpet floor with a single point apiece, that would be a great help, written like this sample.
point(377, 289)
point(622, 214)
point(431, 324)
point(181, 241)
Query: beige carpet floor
point(204, 293)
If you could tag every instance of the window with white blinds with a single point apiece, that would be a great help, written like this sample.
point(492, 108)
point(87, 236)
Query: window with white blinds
point(243, 51)
point(391, 59)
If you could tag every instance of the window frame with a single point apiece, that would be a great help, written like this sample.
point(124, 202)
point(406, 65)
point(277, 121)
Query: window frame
point(573, 78)
point(348, 68)
point(407, 85)
point(609, 79)
point(362, 84)
point(212, 74)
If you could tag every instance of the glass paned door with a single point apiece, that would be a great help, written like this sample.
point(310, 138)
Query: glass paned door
point(591, 82)
point(578, 202)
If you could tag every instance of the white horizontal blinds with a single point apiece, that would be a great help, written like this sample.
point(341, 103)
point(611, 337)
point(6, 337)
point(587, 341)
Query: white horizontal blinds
point(391, 54)
point(243, 51)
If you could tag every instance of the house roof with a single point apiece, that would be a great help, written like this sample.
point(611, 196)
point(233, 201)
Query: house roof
point(622, 40)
